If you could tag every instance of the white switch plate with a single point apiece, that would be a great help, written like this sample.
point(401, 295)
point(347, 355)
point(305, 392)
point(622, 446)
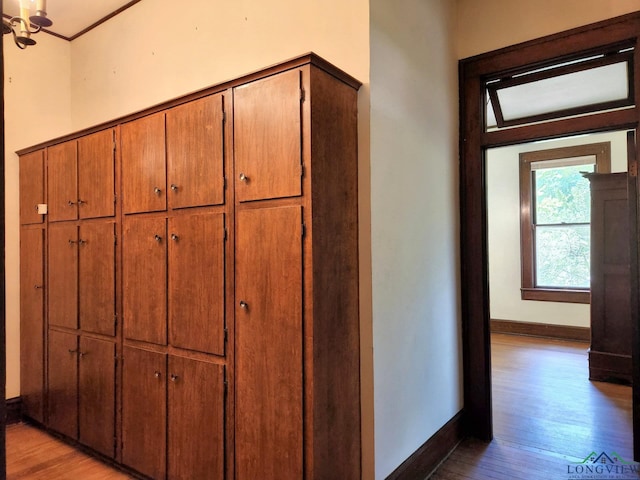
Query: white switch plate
point(42, 208)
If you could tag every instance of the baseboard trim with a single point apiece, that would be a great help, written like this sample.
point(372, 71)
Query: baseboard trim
point(14, 410)
point(564, 332)
point(433, 452)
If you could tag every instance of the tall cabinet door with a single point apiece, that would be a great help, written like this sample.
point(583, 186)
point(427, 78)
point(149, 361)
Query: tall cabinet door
point(62, 181)
point(144, 411)
point(267, 137)
point(96, 181)
point(144, 177)
point(96, 414)
point(63, 383)
point(97, 278)
point(196, 282)
point(31, 187)
point(269, 344)
point(145, 279)
point(195, 153)
point(32, 323)
point(63, 275)
point(196, 420)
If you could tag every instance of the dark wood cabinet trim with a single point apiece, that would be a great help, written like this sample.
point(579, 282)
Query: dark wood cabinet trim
point(14, 410)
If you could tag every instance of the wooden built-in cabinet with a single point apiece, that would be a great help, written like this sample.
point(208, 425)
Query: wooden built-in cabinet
point(215, 307)
point(611, 329)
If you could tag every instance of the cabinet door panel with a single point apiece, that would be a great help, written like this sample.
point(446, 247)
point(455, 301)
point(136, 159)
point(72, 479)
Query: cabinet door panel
point(63, 275)
point(144, 176)
point(196, 282)
point(96, 414)
point(144, 411)
point(96, 181)
point(62, 181)
point(195, 153)
point(267, 137)
point(32, 323)
point(63, 383)
point(31, 187)
point(145, 279)
point(269, 344)
point(97, 278)
point(196, 420)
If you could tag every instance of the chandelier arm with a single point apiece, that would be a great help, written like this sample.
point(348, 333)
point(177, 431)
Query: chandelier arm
point(15, 40)
point(18, 20)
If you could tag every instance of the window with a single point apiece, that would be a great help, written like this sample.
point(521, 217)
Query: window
point(555, 213)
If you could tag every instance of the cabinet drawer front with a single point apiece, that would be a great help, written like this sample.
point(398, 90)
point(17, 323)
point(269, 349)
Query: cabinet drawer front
point(267, 138)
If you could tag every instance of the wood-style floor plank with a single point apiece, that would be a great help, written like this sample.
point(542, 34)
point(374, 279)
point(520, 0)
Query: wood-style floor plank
point(34, 454)
point(546, 414)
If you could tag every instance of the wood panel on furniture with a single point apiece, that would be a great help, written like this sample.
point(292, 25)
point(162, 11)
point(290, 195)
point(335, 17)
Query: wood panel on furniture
point(81, 178)
point(610, 352)
point(31, 187)
point(244, 192)
point(32, 322)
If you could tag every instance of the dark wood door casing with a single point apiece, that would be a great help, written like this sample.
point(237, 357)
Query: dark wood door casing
point(474, 141)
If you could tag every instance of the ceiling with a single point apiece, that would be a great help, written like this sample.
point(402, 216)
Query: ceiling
point(71, 17)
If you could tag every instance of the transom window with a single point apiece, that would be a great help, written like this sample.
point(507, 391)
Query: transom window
point(555, 216)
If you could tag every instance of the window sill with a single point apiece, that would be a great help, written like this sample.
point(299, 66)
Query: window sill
point(556, 295)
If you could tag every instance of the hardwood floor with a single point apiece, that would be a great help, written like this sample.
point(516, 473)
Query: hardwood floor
point(547, 415)
point(33, 454)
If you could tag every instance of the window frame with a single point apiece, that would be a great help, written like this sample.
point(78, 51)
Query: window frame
point(529, 290)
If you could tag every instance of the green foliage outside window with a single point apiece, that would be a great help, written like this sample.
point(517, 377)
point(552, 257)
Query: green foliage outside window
point(562, 233)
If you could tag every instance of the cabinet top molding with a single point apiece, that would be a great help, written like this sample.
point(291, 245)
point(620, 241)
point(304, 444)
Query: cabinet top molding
point(296, 62)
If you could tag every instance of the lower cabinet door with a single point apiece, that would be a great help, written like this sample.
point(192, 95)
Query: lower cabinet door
point(268, 343)
point(97, 395)
point(63, 383)
point(196, 420)
point(144, 411)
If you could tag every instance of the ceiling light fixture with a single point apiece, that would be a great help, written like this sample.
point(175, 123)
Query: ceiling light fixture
point(23, 26)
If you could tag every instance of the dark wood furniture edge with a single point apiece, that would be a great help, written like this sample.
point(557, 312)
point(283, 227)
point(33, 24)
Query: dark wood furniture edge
point(306, 59)
point(14, 410)
point(609, 367)
point(433, 452)
point(545, 330)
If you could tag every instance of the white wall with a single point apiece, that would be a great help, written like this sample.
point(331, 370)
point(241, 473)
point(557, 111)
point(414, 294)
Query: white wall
point(485, 25)
point(414, 225)
point(503, 206)
point(37, 108)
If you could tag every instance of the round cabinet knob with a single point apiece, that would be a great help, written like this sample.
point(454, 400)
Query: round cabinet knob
point(71, 203)
point(157, 191)
point(38, 286)
point(157, 238)
point(174, 378)
point(174, 187)
point(244, 178)
point(156, 374)
point(174, 237)
point(244, 304)
point(81, 202)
